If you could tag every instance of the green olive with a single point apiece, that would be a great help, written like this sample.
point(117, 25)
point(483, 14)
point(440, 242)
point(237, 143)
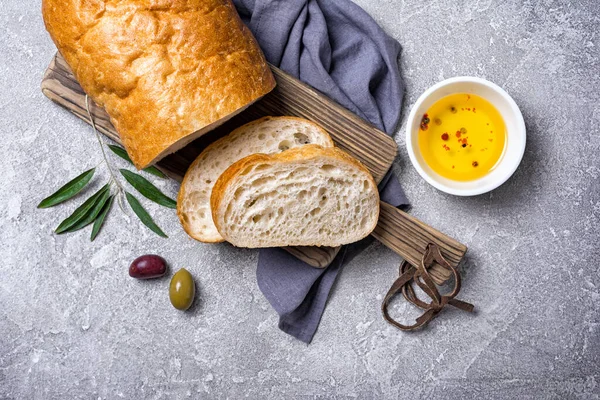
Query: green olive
point(182, 290)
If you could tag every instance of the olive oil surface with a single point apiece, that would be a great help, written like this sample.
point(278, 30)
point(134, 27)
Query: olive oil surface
point(462, 137)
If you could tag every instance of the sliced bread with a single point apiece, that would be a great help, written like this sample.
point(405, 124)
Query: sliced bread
point(266, 135)
point(307, 196)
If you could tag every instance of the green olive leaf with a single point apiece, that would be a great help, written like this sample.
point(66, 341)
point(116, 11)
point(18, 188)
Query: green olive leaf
point(100, 218)
point(81, 211)
point(147, 189)
point(118, 150)
point(92, 213)
point(154, 171)
point(68, 190)
point(143, 214)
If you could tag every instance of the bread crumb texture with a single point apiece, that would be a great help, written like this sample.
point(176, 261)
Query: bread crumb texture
point(266, 135)
point(166, 71)
point(307, 196)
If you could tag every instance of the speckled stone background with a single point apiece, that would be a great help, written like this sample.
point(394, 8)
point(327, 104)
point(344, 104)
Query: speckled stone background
point(74, 325)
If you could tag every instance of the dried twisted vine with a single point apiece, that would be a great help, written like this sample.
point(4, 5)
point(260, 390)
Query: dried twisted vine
point(420, 275)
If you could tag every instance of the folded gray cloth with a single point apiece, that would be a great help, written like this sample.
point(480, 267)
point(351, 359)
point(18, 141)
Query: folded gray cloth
point(336, 47)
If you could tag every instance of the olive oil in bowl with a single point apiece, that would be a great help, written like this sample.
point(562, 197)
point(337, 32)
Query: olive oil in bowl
point(462, 137)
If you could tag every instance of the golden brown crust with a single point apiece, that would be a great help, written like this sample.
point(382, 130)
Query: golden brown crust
point(188, 229)
point(230, 136)
point(298, 153)
point(162, 69)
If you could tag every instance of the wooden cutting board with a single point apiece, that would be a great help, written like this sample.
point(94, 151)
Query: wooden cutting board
point(399, 231)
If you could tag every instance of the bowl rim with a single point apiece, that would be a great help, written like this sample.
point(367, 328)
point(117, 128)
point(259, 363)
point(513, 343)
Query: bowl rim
point(509, 170)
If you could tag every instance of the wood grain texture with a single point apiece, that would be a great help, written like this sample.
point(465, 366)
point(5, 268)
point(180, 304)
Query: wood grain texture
point(372, 147)
point(408, 236)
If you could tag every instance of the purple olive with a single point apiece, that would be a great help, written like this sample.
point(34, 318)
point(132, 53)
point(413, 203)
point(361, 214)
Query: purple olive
point(148, 267)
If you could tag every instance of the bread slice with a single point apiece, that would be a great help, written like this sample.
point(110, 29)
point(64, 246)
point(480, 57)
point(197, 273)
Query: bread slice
point(266, 135)
point(166, 72)
point(307, 196)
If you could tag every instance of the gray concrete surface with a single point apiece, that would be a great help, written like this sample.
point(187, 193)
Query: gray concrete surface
point(74, 325)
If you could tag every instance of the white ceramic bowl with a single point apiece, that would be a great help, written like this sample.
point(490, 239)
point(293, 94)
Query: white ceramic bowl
point(515, 139)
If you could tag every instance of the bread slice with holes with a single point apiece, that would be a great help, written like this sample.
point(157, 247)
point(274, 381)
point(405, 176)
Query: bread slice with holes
point(307, 196)
point(265, 135)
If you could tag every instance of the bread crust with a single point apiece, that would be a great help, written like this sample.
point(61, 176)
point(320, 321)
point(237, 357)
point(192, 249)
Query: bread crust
point(236, 132)
point(304, 153)
point(166, 71)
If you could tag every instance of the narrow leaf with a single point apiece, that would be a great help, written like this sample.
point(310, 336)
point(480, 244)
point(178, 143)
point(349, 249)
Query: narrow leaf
point(118, 150)
point(92, 213)
point(100, 219)
point(68, 190)
point(121, 152)
point(143, 214)
point(147, 189)
point(81, 211)
point(154, 171)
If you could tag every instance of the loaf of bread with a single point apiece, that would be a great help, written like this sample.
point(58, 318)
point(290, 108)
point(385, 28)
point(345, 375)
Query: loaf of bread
point(266, 135)
point(307, 196)
point(166, 72)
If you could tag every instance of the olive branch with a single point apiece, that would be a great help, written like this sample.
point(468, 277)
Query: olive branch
point(95, 209)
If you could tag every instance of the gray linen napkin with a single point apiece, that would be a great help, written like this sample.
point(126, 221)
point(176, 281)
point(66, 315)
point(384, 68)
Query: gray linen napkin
point(336, 47)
